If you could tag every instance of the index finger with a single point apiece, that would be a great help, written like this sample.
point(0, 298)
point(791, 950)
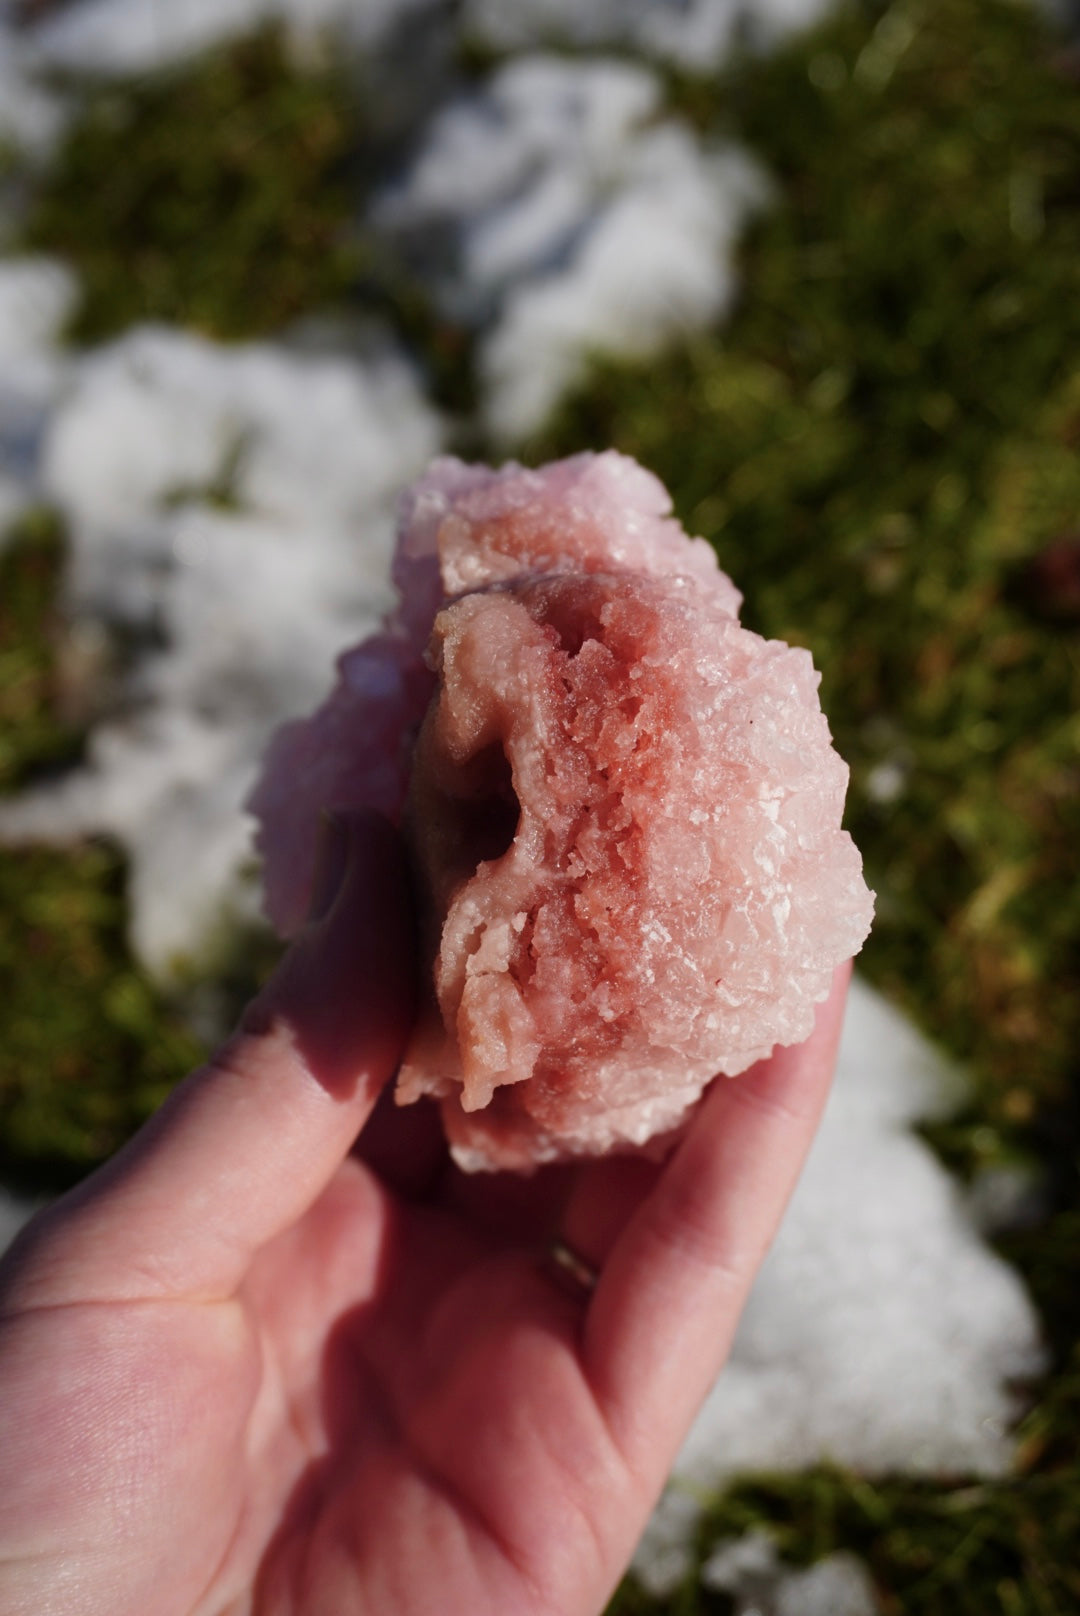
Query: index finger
point(247, 1144)
point(674, 1283)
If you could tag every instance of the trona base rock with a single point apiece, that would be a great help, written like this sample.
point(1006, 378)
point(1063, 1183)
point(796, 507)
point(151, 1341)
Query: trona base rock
point(624, 810)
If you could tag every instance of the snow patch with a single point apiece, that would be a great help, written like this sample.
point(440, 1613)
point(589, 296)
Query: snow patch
point(36, 295)
point(882, 1333)
point(14, 1212)
point(696, 35)
point(231, 512)
point(117, 37)
point(31, 116)
point(558, 212)
point(750, 1570)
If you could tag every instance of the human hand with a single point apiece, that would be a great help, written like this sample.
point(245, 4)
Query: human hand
point(245, 1368)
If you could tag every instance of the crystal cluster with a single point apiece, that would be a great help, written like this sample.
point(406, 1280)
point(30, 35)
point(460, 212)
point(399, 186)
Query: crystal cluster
point(624, 810)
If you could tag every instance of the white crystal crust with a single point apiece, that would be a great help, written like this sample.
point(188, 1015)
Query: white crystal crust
point(624, 808)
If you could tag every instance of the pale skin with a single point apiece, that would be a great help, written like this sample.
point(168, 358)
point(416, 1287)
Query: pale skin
point(249, 1368)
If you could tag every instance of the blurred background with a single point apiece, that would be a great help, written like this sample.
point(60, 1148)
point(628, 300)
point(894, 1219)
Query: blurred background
point(817, 265)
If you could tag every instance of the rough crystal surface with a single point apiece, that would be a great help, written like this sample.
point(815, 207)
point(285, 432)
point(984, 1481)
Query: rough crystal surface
point(624, 810)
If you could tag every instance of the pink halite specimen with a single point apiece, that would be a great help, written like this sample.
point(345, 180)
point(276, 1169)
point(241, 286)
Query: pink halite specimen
point(624, 809)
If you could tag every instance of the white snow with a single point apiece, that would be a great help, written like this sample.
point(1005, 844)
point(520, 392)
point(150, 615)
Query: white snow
point(886, 781)
point(35, 297)
point(750, 1570)
point(31, 115)
point(236, 614)
point(14, 1212)
point(882, 1333)
point(133, 36)
point(116, 37)
point(580, 222)
point(697, 35)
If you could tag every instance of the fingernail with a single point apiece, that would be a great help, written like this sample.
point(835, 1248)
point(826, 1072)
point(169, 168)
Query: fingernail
point(332, 853)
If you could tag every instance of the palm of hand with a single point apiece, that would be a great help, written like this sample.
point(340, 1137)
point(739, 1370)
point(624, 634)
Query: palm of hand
point(391, 1415)
point(435, 1429)
point(244, 1371)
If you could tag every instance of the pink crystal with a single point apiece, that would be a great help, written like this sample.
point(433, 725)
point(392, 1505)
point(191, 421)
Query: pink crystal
point(624, 809)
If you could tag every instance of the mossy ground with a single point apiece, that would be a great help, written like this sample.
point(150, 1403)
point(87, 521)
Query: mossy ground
point(883, 448)
point(227, 196)
point(34, 734)
point(218, 197)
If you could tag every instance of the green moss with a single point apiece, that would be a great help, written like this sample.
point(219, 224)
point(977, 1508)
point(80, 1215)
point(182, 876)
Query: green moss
point(965, 1550)
point(88, 1045)
point(34, 733)
point(88, 1048)
point(227, 196)
point(218, 196)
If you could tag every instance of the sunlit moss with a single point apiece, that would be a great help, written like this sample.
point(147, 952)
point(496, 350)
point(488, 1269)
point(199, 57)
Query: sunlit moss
point(218, 196)
point(34, 731)
point(227, 196)
point(88, 1048)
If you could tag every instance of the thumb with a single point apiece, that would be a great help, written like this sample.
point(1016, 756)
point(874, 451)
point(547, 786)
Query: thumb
point(245, 1146)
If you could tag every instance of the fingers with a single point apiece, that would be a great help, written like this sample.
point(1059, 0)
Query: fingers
point(247, 1144)
point(511, 1208)
point(405, 1146)
point(674, 1280)
point(605, 1197)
